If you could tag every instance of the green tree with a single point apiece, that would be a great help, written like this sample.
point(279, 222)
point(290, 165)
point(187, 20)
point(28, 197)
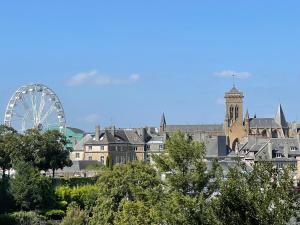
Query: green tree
point(135, 181)
point(188, 183)
point(29, 189)
point(9, 143)
point(184, 165)
point(54, 154)
point(134, 213)
point(31, 146)
point(262, 196)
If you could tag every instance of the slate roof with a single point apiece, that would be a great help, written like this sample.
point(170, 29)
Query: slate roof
point(263, 123)
point(133, 137)
point(76, 130)
point(116, 136)
point(196, 128)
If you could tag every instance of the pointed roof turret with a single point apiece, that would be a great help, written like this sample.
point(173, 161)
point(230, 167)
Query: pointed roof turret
point(247, 115)
point(163, 119)
point(280, 118)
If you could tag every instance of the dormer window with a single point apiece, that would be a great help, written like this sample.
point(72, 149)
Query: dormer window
point(293, 148)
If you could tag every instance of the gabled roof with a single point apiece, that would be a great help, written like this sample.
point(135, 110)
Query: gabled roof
point(133, 137)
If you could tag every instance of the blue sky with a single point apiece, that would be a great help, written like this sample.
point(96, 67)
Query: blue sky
point(126, 62)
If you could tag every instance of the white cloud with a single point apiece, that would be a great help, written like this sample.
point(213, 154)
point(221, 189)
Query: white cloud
point(92, 118)
point(229, 73)
point(80, 78)
point(94, 77)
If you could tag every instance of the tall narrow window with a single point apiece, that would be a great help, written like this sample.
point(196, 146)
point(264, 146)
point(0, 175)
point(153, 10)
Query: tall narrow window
point(236, 112)
point(231, 112)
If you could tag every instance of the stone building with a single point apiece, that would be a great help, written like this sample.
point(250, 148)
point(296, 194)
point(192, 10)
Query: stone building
point(122, 145)
point(238, 128)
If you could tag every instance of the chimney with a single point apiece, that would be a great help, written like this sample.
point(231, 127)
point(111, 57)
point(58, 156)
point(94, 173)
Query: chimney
point(97, 133)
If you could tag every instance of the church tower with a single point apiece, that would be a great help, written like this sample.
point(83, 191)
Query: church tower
point(234, 122)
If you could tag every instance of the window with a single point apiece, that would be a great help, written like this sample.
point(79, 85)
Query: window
point(77, 155)
point(236, 112)
point(135, 148)
point(148, 146)
point(278, 155)
point(294, 148)
point(119, 148)
point(231, 112)
point(102, 147)
point(161, 147)
point(90, 148)
point(90, 158)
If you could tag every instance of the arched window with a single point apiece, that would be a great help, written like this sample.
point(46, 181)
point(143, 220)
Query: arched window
point(236, 112)
point(231, 112)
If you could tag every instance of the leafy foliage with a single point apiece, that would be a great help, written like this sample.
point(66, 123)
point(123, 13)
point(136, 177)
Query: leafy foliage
point(29, 189)
point(9, 143)
point(75, 216)
point(22, 218)
point(261, 196)
point(85, 196)
point(136, 181)
point(54, 154)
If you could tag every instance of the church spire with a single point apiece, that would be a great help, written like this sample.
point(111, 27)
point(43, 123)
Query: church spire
point(163, 124)
point(247, 115)
point(163, 119)
point(280, 118)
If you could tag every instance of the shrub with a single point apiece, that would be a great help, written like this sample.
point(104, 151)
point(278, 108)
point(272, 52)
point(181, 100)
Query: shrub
point(22, 218)
point(75, 181)
point(55, 214)
point(74, 216)
point(85, 196)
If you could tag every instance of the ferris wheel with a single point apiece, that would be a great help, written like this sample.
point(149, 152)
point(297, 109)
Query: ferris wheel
point(35, 106)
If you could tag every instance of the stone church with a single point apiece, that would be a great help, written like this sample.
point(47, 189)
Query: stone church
point(237, 128)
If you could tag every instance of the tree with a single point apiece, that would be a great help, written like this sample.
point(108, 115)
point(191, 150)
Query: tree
point(188, 183)
point(261, 196)
point(184, 165)
point(54, 154)
point(134, 182)
point(134, 213)
point(29, 189)
point(9, 143)
point(31, 146)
